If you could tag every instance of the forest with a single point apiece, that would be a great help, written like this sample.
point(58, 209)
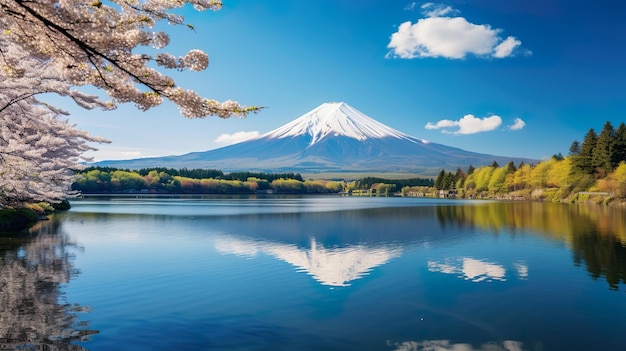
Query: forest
point(107, 180)
point(594, 170)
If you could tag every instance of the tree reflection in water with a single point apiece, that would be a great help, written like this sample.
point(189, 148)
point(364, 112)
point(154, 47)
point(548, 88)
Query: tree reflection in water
point(595, 234)
point(604, 257)
point(33, 312)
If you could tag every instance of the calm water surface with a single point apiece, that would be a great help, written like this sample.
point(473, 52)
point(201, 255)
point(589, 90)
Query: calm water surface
point(316, 273)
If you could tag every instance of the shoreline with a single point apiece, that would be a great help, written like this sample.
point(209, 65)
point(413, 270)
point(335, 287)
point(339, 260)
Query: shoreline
point(14, 220)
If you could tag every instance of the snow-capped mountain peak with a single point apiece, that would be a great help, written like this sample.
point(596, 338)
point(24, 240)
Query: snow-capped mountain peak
point(336, 119)
point(334, 137)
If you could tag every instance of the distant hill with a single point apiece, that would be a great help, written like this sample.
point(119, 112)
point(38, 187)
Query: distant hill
point(334, 137)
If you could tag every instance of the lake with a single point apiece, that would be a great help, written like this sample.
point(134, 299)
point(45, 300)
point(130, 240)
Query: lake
point(316, 273)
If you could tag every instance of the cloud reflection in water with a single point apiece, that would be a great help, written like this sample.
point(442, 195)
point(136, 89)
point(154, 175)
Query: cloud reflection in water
point(446, 345)
point(476, 270)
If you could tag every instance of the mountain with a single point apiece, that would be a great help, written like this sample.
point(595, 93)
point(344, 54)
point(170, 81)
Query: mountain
point(334, 137)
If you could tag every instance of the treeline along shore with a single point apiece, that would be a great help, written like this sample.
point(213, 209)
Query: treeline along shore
point(107, 180)
point(593, 171)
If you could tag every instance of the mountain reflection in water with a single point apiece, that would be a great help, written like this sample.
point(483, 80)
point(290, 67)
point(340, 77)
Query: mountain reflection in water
point(33, 315)
point(329, 266)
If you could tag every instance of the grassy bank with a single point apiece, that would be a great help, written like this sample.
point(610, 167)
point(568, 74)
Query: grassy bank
point(14, 219)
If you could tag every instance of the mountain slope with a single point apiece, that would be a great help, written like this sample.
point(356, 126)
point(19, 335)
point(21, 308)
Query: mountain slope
point(334, 137)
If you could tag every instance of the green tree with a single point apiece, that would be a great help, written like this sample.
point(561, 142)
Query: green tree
point(123, 180)
point(620, 179)
point(93, 181)
point(460, 173)
point(334, 186)
point(439, 182)
point(522, 177)
point(560, 174)
point(460, 178)
point(601, 158)
point(470, 169)
point(292, 186)
point(539, 174)
point(153, 179)
point(469, 184)
point(583, 161)
point(483, 176)
point(510, 167)
point(261, 184)
point(314, 186)
point(558, 157)
point(497, 180)
point(574, 149)
point(384, 189)
point(449, 181)
point(619, 145)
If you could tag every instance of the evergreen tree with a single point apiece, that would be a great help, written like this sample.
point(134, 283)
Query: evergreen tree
point(495, 164)
point(574, 149)
point(619, 145)
point(439, 182)
point(470, 169)
point(459, 173)
point(582, 161)
point(510, 167)
point(602, 152)
point(460, 178)
point(449, 181)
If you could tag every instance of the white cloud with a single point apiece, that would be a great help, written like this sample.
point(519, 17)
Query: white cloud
point(131, 154)
point(468, 124)
point(108, 152)
point(411, 6)
point(505, 48)
point(437, 10)
point(228, 139)
point(444, 123)
point(518, 124)
point(449, 37)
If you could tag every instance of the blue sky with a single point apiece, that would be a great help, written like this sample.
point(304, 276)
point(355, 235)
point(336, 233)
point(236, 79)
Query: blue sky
point(513, 78)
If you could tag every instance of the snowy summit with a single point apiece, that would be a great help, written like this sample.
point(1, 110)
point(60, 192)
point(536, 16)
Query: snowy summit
point(337, 119)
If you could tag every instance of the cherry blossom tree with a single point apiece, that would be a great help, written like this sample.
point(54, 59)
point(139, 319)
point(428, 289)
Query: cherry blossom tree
point(99, 43)
point(39, 151)
point(57, 47)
